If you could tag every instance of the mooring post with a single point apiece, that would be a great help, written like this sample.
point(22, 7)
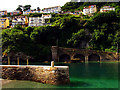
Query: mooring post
point(27, 61)
point(52, 63)
point(8, 60)
point(18, 60)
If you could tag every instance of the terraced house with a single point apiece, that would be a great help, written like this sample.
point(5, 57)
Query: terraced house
point(39, 21)
point(21, 20)
point(3, 12)
point(89, 10)
point(15, 12)
point(55, 9)
point(107, 8)
point(27, 12)
point(4, 23)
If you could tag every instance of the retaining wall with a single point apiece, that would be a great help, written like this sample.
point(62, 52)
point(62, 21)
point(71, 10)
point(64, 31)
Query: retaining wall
point(57, 75)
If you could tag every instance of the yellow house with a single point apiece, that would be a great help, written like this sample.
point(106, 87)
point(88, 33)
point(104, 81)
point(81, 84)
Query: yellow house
point(4, 22)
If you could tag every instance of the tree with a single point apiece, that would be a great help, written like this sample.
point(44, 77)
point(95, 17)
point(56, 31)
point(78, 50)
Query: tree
point(77, 38)
point(26, 7)
point(20, 8)
point(38, 8)
point(18, 26)
point(103, 28)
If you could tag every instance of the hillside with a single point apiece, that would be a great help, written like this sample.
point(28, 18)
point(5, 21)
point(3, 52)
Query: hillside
point(72, 6)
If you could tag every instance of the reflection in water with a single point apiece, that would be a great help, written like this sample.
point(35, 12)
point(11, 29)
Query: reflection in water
point(82, 75)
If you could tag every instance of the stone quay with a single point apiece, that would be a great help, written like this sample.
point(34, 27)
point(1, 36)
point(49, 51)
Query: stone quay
point(55, 75)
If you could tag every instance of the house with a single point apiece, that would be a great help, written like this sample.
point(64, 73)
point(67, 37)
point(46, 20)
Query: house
point(107, 8)
point(4, 23)
point(78, 12)
point(74, 13)
point(68, 12)
point(21, 20)
point(3, 12)
point(15, 12)
point(39, 21)
point(27, 12)
point(55, 9)
point(89, 10)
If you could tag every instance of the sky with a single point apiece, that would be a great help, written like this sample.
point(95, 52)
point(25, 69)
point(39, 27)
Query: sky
point(11, 5)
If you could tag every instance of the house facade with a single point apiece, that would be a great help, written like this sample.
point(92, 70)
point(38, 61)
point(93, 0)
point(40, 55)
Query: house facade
point(15, 12)
point(21, 20)
point(74, 13)
point(55, 9)
point(68, 12)
point(89, 10)
point(27, 12)
point(3, 12)
point(107, 8)
point(4, 23)
point(39, 21)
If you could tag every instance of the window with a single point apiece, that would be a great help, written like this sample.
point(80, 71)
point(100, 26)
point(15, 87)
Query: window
point(2, 25)
point(2, 22)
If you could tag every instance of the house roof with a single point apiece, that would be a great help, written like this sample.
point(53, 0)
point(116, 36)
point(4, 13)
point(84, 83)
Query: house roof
point(15, 11)
point(46, 15)
point(51, 7)
point(107, 7)
point(89, 6)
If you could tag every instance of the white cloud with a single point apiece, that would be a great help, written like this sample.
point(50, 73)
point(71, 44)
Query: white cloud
point(11, 5)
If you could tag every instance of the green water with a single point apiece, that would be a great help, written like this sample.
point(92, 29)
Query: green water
point(82, 75)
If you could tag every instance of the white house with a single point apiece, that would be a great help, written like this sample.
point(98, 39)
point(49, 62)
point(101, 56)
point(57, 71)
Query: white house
point(21, 20)
point(107, 8)
point(86, 11)
point(89, 10)
point(55, 9)
point(27, 12)
point(39, 21)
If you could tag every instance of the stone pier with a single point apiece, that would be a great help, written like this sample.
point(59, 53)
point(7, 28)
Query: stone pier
point(57, 75)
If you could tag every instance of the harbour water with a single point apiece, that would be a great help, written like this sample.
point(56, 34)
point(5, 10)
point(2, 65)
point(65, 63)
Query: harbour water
point(82, 75)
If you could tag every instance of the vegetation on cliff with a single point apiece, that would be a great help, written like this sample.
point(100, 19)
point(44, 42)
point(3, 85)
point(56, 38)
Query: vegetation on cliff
point(100, 32)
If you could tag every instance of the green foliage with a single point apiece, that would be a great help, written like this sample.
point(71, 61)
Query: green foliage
point(35, 15)
point(19, 8)
point(80, 5)
point(18, 27)
point(70, 31)
point(26, 7)
point(103, 28)
point(70, 6)
point(76, 38)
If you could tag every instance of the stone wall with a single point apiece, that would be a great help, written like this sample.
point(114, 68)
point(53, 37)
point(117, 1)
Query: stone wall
point(57, 75)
